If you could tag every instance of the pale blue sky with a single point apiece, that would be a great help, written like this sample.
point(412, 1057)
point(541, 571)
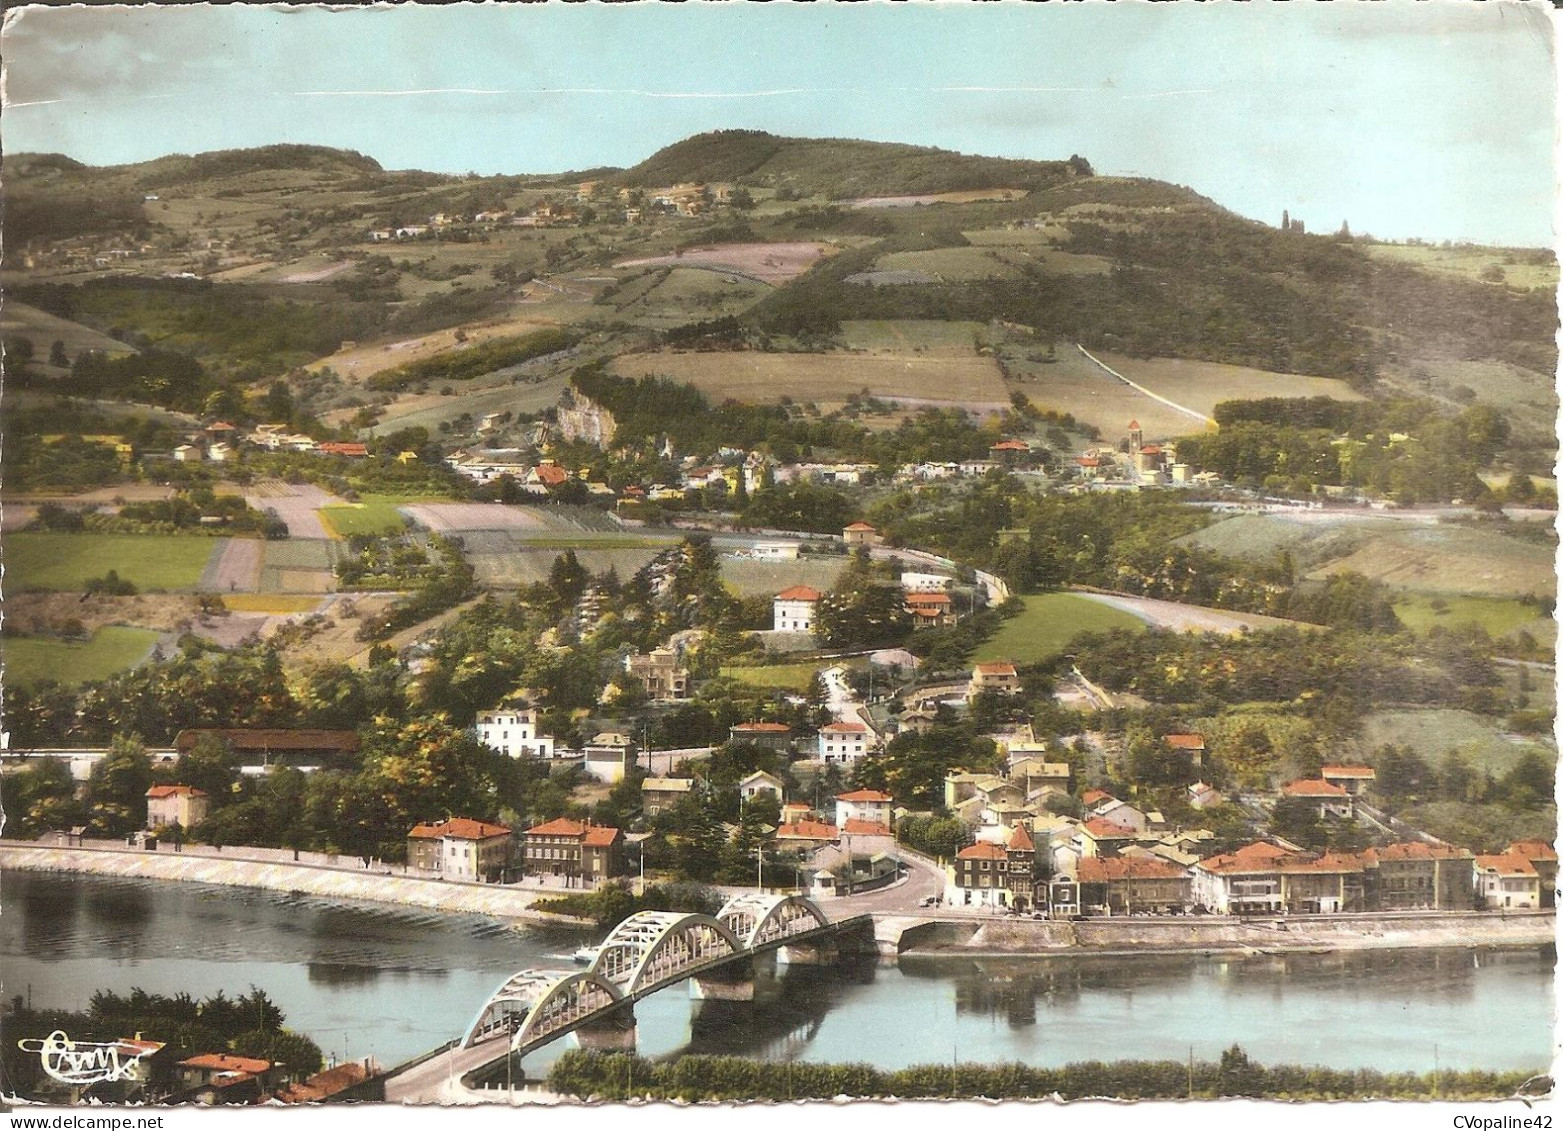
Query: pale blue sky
point(1433, 120)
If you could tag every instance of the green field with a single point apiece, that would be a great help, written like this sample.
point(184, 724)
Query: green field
point(911, 334)
point(791, 677)
point(68, 561)
point(1434, 733)
point(748, 577)
point(1498, 616)
point(31, 660)
point(362, 518)
point(1049, 623)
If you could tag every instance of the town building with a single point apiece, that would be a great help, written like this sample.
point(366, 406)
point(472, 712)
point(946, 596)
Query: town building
point(658, 795)
point(980, 876)
point(1415, 876)
point(1544, 858)
point(1136, 885)
point(1266, 879)
point(659, 674)
point(244, 1078)
point(608, 757)
point(804, 836)
point(793, 609)
point(1506, 881)
point(1022, 875)
point(513, 731)
point(772, 736)
point(460, 848)
point(1203, 795)
point(844, 742)
point(999, 676)
point(575, 850)
point(930, 610)
point(182, 805)
point(266, 747)
point(864, 804)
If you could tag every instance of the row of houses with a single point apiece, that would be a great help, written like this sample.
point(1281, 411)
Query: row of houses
point(1260, 878)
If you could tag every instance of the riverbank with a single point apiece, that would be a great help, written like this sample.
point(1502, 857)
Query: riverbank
point(1219, 934)
point(498, 902)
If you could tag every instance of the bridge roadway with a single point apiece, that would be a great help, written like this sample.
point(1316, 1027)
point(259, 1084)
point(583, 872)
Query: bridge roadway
point(647, 952)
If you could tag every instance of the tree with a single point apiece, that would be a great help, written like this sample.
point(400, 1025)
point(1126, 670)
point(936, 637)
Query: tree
point(117, 788)
point(209, 767)
point(57, 355)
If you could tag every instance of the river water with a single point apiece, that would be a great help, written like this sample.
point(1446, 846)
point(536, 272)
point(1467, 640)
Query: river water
point(364, 979)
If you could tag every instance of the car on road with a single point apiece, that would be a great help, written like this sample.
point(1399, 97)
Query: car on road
point(928, 901)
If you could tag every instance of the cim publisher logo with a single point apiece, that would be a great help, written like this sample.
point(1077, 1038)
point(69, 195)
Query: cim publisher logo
point(83, 1062)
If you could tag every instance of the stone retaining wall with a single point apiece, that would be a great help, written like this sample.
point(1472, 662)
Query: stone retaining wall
point(329, 883)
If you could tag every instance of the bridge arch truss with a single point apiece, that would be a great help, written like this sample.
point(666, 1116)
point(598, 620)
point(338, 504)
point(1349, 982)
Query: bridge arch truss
point(756, 919)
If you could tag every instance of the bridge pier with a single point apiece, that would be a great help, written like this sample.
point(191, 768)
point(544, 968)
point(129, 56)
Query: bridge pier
point(614, 1032)
point(751, 980)
point(820, 952)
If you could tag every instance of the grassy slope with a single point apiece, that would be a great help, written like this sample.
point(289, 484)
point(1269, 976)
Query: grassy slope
point(1432, 734)
point(362, 518)
point(1049, 623)
point(1497, 616)
point(31, 660)
point(790, 677)
point(67, 561)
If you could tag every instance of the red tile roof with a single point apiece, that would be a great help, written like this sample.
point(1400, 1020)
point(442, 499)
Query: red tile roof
point(997, 667)
point(460, 828)
point(158, 792)
point(1088, 461)
point(550, 475)
point(807, 830)
point(1416, 850)
point(1184, 741)
point(764, 728)
point(863, 795)
point(798, 593)
point(1506, 864)
point(225, 1062)
point(982, 850)
point(860, 526)
point(1262, 857)
point(338, 448)
point(563, 826)
point(1020, 840)
point(1010, 446)
point(927, 598)
point(1102, 829)
point(1101, 870)
point(600, 836)
point(1532, 850)
point(857, 826)
point(1134, 426)
point(1092, 796)
point(1313, 787)
point(843, 728)
point(325, 1084)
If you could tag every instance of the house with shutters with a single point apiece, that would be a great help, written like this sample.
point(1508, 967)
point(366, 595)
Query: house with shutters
point(182, 805)
point(793, 609)
point(999, 676)
point(460, 848)
point(1266, 879)
point(1133, 885)
point(979, 876)
point(513, 731)
point(1416, 876)
point(843, 743)
point(760, 784)
point(864, 804)
point(658, 795)
point(1506, 881)
point(575, 850)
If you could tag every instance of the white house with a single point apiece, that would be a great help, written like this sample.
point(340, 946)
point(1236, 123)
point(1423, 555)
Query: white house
point(863, 805)
point(608, 757)
point(775, 551)
point(794, 609)
point(843, 742)
point(513, 731)
point(759, 784)
point(914, 582)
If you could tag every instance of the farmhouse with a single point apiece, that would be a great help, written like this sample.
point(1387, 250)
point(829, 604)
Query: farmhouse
point(772, 736)
point(793, 609)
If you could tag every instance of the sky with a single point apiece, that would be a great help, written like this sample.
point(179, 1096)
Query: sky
point(1433, 119)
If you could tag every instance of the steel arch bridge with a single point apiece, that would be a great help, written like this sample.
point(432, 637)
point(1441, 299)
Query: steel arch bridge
point(645, 953)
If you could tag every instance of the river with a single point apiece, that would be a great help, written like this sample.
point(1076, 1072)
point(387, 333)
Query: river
point(364, 979)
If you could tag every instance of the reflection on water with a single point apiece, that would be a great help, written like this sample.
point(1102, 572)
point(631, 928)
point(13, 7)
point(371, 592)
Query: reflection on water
point(394, 982)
